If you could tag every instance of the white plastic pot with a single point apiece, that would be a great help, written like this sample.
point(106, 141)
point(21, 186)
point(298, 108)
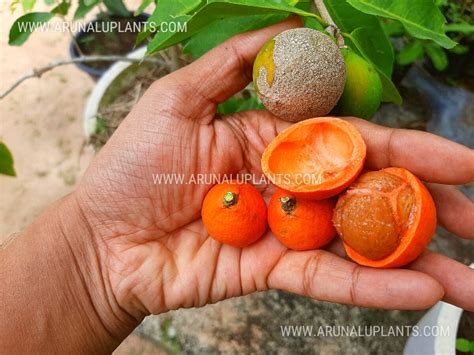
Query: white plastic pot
point(93, 102)
point(442, 317)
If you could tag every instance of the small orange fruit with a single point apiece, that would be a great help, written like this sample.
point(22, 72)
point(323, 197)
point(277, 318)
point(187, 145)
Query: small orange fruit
point(316, 158)
point(386, 218)
point(234, 213)
point(301, 224)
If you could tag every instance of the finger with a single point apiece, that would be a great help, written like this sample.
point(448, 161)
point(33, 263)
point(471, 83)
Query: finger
point(428, 156)
point(336, 247)
point(452, 275)
point(227, 68)
point(324, 276)
point(455, 211)
point(254, 129)
point(457, 279)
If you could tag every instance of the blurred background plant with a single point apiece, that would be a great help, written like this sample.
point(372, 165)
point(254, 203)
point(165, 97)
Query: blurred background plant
point(460, 28)
point(464, 346)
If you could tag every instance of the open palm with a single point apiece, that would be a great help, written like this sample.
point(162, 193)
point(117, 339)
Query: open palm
point(151, 242)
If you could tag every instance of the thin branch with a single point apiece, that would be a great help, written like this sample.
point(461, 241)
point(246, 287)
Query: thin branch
point(331, 28)
point(37, 72)
point(73, 39)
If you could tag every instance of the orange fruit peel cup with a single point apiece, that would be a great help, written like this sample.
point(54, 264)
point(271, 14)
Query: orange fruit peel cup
point(316, 158)
point(386, 219)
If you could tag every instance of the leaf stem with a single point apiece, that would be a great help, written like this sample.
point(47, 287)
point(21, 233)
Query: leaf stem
point(331, 28)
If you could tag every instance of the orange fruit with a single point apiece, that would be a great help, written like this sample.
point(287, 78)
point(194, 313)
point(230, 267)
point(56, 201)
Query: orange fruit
point(316, 158)
point(386, 218)
point(301, 224)
point(234, 213)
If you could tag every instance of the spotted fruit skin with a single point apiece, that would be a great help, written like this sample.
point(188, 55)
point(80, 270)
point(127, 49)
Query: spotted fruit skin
point(299, 74)
point(363, 88)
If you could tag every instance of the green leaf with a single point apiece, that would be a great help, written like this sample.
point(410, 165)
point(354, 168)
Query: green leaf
point(421, 18)
point(214, 10)
point(393, 28)
point(311, 22)
point(167, 11)
point(253, 103)
point(62, 8)
point(237, 104)
point(304, 5)
point(28, 5)
point(463, 345)
point(359, 41)
point(49, 2)
point(410, 53)
point(390, 91)
point(373, 39)
point(23, 26)
point(6, 161)
point(437, 55)
point(372, 48)
point(460, 27)
point(220, 30)
point(141, 37)
point(116, 7)
point(142, 7)
point(459, 49)
point(84, 7)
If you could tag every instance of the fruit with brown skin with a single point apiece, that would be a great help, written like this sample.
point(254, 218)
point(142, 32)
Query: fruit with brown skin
point(299, 74)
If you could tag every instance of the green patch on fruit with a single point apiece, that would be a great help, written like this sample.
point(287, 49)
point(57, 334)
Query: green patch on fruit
point(265, 59)
point(363, 88)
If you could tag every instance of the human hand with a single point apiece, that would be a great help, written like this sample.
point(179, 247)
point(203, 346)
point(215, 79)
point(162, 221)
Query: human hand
point(156, 255)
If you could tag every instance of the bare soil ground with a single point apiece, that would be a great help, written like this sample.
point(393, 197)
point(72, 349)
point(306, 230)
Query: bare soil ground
point(41, 123)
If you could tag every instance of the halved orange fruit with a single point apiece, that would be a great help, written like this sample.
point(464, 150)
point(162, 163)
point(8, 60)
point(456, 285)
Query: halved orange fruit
point(386, 218)
point(316, 158)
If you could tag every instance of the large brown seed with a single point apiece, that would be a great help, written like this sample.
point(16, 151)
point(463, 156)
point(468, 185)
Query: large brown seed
point(373, 214)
